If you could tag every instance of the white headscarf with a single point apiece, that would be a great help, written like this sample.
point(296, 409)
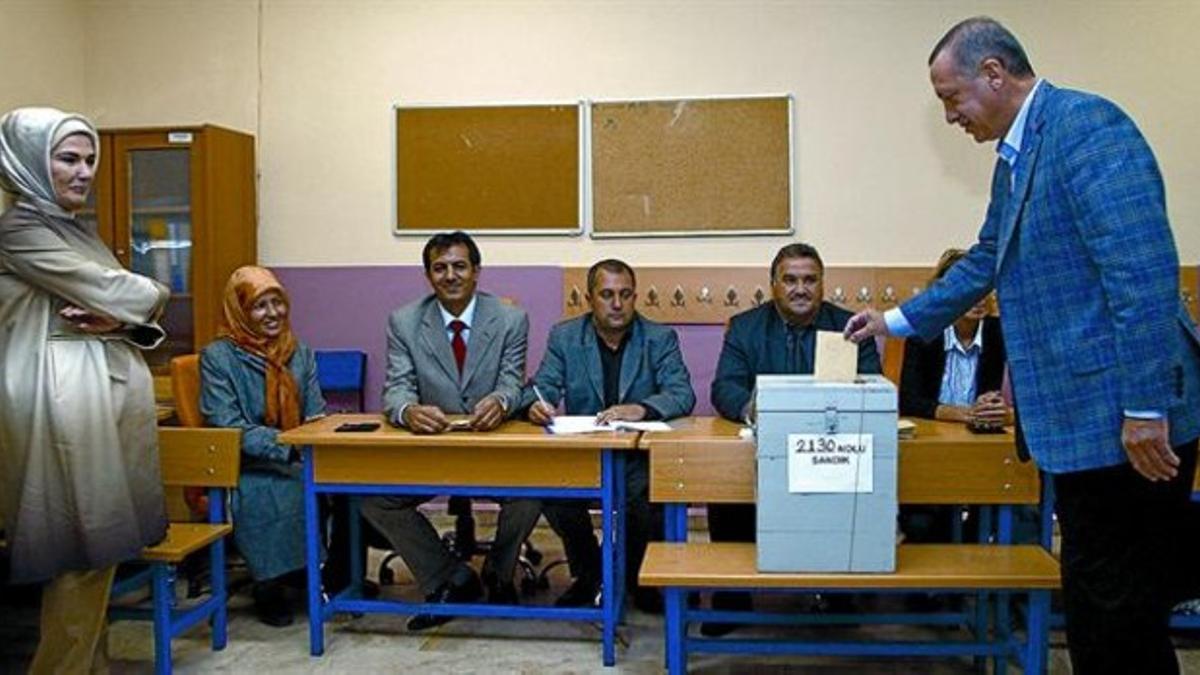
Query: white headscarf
point(27, 137)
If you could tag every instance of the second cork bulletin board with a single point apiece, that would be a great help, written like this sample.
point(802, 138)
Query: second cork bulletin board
point(691, 166)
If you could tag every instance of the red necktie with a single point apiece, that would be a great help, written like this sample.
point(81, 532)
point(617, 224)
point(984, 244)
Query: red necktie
point(458, 343)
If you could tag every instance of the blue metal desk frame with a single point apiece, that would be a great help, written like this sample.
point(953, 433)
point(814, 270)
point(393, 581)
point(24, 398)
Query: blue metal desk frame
point(611, 494)
point(1032, 653)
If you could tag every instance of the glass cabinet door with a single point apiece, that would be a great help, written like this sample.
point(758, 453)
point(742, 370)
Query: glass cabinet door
point(154, 233)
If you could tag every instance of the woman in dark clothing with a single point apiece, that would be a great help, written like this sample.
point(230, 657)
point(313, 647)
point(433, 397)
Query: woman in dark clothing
point(955, 377)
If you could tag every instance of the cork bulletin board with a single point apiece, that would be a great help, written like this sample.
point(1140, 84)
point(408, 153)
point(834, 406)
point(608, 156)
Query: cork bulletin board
point(691, 166)
point(502, 169)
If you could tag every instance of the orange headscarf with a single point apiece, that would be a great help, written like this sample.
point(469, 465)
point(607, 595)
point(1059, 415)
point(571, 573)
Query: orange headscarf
point(245, 286)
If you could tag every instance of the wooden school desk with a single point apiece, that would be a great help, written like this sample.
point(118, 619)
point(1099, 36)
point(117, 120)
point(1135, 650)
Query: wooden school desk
point(518, 459)
point(705, 460)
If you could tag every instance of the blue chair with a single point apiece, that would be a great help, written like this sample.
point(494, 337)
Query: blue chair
point(343, 371)
point(208, 458)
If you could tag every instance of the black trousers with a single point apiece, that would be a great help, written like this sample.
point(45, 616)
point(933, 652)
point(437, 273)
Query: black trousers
point(644, 521)
point(336, 572)
point(732, 522)
point(1129, 553)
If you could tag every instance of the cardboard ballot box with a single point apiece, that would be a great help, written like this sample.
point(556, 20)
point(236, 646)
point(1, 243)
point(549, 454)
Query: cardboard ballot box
point(826, 474)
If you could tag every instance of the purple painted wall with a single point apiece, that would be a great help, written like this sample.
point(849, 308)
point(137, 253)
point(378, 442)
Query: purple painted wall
point(347, 308)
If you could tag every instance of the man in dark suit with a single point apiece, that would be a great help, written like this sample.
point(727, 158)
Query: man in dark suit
point(455, 352)
point(1105, 363)
point(775, 338)
point(615, 364)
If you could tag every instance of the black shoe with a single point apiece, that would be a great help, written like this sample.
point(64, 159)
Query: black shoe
point(923, 602)
point(335, 583)
point(271, 605)
point(716, 629)
point(447, 594)
point(583, 592)
point(502, 594)
point(835, 603)
point(726, 601)
point(648, 600)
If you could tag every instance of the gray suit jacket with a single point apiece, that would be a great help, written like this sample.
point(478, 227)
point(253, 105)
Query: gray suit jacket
point(421, 365)
point(652, 370)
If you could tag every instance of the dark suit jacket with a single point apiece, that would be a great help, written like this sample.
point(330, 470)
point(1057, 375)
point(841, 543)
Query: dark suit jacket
point(756, 344)
point(652, 370)
point(925, 364)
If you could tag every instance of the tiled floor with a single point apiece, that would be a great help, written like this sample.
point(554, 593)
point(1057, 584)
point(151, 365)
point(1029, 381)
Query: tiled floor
point(380, 644)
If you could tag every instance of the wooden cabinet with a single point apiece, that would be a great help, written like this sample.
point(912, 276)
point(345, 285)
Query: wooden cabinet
point(178, 204)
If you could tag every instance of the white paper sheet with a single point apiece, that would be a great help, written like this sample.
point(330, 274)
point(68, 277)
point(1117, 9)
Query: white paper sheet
point(583, 424)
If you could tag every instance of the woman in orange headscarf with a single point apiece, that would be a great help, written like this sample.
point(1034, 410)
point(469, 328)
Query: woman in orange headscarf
point(258, 378)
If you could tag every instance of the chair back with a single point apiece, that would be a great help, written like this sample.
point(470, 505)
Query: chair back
point(893, 359)
point(195, 457)
point(185, 388)
point(343, 371)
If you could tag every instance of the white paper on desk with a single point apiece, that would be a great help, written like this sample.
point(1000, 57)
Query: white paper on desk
point(837, 358)
point(641, 426)
point(584, 424)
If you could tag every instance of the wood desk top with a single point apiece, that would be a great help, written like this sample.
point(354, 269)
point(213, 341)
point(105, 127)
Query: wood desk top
point(397, 456)
point(512, 434)
point(928, 432)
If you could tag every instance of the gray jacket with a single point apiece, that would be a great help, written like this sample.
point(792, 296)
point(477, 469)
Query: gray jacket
point(421, 366)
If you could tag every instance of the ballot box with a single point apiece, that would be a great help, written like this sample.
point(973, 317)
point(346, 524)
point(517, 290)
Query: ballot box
point(826, 474)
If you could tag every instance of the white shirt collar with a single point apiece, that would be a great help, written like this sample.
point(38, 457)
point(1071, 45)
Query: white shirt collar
point(1016, 132)
point(951, 339)
point(467, 316)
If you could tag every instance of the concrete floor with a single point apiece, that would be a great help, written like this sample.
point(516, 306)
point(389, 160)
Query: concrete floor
point(380, 644)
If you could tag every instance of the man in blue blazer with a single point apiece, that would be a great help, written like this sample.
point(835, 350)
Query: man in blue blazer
point(1104, 361)
point(615, 364)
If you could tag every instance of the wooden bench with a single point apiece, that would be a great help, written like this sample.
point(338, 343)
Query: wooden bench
point(704, 461)
point(207, 458)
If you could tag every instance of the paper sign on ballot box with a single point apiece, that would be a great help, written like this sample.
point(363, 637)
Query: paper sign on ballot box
point(831, 463)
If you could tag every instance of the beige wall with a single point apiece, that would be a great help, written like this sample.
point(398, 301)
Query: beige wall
point(41, 54)
point(156, 62)
point(880, 178)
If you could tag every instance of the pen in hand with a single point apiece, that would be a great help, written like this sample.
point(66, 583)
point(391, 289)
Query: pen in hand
point(546, 406)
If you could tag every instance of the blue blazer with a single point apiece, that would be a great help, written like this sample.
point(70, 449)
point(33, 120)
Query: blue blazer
point(756, 344)
point(652, 370)
point(1084, 264)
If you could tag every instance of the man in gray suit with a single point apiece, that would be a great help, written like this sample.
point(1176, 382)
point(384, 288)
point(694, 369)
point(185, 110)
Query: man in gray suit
point(455, 352)
point(617, 365)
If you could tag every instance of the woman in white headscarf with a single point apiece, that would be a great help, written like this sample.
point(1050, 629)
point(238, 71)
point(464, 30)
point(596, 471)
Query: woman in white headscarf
point(80, 488)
